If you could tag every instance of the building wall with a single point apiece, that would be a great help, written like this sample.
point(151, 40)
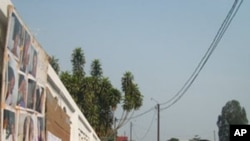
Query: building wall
point(80, 128)
point(57, 121)
point(23, 81)
point(3, 25)
point(60, 118)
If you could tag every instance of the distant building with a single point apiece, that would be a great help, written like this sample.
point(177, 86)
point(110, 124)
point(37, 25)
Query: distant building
point(122, 138)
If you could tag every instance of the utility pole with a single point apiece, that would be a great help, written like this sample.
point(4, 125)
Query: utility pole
point(114, 122)
point(115, 131)
point(158, 119)
point(158, 122)
point(131, 131)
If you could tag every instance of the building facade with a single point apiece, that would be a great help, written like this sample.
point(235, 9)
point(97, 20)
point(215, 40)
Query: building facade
point(35, 105)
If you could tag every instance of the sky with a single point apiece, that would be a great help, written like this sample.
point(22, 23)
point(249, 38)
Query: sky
point(160, 42)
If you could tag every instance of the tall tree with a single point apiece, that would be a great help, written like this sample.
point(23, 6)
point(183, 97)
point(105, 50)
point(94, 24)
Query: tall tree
point(114, 97)
point(88, 101)
point(99, 99)
point(133, 97)
point(96, 96)
point(96, 69)
point(74, 81)
point(74, 85)
point(78, 61)
point(54, 62)
point(232, 113)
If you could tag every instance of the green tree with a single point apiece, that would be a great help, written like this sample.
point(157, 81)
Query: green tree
point(133, 97)
point(87, 101)
point(100, 98)
point(105, 111)
point(78, 61)
point(73, 84)
point(96, 69)
point(232, 113)
point(54, 62)
point(96, 96)
point(173, 139)
point(114, 97)
point(74, 81)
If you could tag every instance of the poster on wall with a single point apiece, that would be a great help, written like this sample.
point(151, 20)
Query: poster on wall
point(22, 91)
point(9, 125)
point(40, 129)
point(26, 127)
point(10, 94)
point(24, 79)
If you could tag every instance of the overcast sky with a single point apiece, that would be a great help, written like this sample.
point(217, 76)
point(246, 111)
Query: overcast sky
point(160, 42)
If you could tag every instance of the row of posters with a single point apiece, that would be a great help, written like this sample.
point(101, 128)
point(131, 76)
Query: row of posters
point(22, 126)
point(23, 93)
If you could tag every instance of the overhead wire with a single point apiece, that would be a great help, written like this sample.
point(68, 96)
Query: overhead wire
point(199, 65)
point(141, 114)
point(231, 14)
point(147, 131)
point(133, 117)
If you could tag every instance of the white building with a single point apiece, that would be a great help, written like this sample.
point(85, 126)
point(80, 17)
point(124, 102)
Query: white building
point(62, 118)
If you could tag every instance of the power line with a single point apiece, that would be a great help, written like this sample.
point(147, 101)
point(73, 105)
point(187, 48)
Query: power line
point(133, 117)
point(231, 14)
point(147, 131)
point(141, 114)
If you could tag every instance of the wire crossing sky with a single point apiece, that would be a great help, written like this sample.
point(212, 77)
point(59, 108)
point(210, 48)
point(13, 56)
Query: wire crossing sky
point(202, 63)
point(235, 7)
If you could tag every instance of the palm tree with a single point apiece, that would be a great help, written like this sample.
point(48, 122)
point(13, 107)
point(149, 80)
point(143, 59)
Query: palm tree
point(78, 61)
point(127, 82)
point(133, 97)
point(114, 97)
point(96, 96)
point(96, 70)
point(88, 102)
point(105, 122)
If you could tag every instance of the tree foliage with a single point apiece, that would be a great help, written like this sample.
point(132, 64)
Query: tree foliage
point(96, 70)
point(133, 97)
point(96, 96)
point(232, 113)
point(78, 61)
point(173, 139)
